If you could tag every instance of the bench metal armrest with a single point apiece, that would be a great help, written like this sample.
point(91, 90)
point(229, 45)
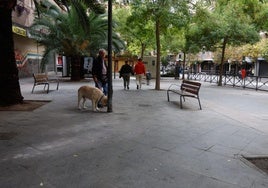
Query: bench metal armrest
point(174, 86)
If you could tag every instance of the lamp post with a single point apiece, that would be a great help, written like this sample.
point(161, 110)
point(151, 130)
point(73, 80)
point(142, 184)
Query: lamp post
point(110, 85)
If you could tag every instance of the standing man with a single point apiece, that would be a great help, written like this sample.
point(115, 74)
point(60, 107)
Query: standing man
point(99, 72)
point(125, 72)
point(139, 70)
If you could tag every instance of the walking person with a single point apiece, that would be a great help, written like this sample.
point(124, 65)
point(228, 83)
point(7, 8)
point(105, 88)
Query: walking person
point(243, 73)
point(139, 71)
point(125, 72)
point(99, 72)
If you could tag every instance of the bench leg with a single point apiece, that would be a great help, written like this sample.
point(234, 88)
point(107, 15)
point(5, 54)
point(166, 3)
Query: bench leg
point(33, 88)
point(47, 87)
point(199, 104)
point(58, 85)
point(168, 96)
point(181, 100)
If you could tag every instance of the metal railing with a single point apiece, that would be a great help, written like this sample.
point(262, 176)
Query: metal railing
point(249, 82)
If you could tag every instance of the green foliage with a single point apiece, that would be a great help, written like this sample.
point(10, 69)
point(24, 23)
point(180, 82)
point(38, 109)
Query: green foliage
point(65, 34)
point(228, 24)
point(164, 61)
point(256, 10)
point(261, 18)
point(134, 29)
point(137, 24)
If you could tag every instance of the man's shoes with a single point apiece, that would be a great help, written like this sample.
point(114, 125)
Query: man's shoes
point(137, 86)
point(127, 87)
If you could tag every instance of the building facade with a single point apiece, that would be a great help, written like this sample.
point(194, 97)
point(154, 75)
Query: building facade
point(28, 53)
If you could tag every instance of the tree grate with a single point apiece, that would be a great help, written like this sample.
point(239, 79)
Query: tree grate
point(259, 162)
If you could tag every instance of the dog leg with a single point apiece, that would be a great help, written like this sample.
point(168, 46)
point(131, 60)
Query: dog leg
point(93, 106)
point(84, 101)
point(79, 99)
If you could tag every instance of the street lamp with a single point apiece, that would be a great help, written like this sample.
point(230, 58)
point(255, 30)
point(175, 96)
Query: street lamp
point(110, 85)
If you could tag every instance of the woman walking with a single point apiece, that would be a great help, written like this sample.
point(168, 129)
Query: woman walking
point(125, 72)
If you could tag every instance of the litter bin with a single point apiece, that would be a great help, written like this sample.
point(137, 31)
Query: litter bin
point(148, 77)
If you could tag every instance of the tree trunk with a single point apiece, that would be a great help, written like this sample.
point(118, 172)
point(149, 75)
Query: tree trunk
point(158, 49)
point(76, 68)
point(222, 62)
point(183, 65)
point(9, 80)
point(143, 47)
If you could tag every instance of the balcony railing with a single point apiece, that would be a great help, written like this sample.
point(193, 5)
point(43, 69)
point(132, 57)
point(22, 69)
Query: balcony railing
point(23, 14)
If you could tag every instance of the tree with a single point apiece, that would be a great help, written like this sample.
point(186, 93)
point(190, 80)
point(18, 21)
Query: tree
point(254, 51)
point(135, 30)
point(257, 10)
point(66, 35)
point(164, 14)
point(222, 26)
point(9, 80)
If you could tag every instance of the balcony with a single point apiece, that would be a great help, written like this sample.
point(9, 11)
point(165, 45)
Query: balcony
point(23, 14)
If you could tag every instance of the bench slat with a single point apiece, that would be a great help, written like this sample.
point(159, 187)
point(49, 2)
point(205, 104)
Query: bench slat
point(190, 90)
point(40, 78)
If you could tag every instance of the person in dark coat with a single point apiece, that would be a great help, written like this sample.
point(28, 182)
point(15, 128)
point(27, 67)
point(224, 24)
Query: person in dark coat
point(99, 72)
point(125, 72)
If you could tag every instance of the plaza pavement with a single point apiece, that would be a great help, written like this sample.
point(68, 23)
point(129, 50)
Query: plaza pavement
point(146, 142)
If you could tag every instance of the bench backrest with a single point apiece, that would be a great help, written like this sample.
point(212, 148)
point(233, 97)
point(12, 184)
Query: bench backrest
point(40, 77)
point(190, 86)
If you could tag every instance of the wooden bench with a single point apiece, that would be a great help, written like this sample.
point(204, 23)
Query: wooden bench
point(43, 79)
point(186, 89)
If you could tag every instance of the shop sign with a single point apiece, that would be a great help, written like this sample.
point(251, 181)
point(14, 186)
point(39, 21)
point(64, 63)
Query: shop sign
point(19, 31)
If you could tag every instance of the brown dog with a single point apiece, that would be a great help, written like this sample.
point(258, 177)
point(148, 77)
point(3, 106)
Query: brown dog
point(92, 93)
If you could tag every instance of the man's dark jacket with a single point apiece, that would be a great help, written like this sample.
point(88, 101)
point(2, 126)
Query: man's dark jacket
point(97, 69)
